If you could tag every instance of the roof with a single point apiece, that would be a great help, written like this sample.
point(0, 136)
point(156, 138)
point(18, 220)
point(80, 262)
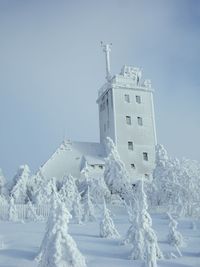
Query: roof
point(67, 159)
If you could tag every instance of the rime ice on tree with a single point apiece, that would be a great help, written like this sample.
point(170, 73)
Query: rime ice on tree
point(12, 211)
point(89, 213)
point(144, 240)
point(115, 174)
point(107, 227)
point(68, 191)
point(19, 189)
point(77, 209)
point(174, 237)
point(46, 191)
point(58, 247)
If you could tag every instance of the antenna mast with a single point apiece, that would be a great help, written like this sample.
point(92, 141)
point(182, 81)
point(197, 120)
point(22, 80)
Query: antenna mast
point(107, 50)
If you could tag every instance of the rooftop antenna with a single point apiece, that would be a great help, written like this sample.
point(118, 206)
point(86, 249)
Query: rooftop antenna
point(107, 50)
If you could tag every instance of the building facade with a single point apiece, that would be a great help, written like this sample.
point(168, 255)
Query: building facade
point(126, 114)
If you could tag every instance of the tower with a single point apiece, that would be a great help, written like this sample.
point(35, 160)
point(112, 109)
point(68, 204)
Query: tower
point(126, 114)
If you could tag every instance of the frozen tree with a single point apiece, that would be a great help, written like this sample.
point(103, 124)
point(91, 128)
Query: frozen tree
point(12, 211)
point(3, 189)
point(88, 207)
point(59, 248)
point(99, 190)
point(107, 227)
point(134, 224)
point(19, 189)
point(174, 237)
point(31, 212)
point(49, 225)
point(176, 184)
point(68, 191)
point(44, 195)
point(115, 174)
point(95, 181)
point(77, 209)
point(36, 182)
point(143, 237)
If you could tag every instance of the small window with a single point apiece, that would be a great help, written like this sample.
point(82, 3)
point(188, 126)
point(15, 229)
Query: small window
point(146, 176)
point(128, 120)
point(138, 99)
point(130, 145)
point(100, 166)
point(133, 166)
point(145, 156)
point(93, 166)
point(127, 98)
point(140, 121)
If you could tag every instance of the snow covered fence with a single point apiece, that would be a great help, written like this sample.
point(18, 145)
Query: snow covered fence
point(42, 211)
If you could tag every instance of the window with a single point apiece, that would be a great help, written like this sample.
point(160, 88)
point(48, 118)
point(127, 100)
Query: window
point(145, 156)
point(140, 122)
point(127, 98)
point(146, 176)
point(138, 99)
point(133, 166)
point(130, 145)
point(100, 166)
point(128, 120)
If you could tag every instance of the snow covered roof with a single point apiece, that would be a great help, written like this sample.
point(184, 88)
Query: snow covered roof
point(67, 159)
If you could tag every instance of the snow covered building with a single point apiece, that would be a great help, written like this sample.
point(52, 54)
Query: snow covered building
point(126, 114)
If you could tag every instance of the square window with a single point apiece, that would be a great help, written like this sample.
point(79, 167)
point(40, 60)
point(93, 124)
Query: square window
point(140, 121)
point(127, 98)
point(128, 120)
point(130, 145)
point(132, 166)
point(145, 156)
point(138, 99)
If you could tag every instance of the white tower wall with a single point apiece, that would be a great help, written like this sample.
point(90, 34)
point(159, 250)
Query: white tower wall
point(129, 122)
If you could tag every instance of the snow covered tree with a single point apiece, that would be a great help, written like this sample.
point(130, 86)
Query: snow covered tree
point(49, 225)
point(3, 189)
point(77, 209)
point(12, 211)
point(144, 240)
point(36, 182)
point(176, 184)
point(107, 227)
point(47, 189)
point(174, 237)
point(19, 189)
point(115, 174)
point(68, 191)
point(59, 248)
point(88, 207)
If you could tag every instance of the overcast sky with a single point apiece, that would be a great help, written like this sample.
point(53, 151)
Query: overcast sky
point(52, 65)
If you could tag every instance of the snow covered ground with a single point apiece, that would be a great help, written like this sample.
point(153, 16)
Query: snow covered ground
point(22, 241)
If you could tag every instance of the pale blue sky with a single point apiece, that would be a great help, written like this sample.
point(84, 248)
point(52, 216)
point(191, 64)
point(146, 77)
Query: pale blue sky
point(51, 66)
